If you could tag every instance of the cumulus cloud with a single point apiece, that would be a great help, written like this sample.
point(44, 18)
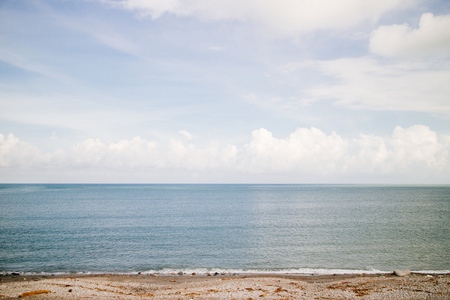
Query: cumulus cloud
point(126, 153)
point(17, 153)
point(414, 154)
point(430, 38)
point(368, 83)
point(407, 150)
point(309, 150)
point(286, 17)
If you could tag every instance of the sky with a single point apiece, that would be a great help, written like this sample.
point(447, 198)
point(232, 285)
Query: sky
point(225, 91)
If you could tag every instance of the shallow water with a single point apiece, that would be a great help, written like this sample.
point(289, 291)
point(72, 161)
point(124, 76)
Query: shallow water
point(235, 228)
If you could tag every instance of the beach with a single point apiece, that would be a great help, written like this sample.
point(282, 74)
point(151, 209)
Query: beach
point(217, 286)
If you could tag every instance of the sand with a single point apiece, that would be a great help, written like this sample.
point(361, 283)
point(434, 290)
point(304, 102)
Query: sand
point(264, 286)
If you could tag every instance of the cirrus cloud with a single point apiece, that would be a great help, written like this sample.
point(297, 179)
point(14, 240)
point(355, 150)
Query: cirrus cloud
point(367, 83)
point(287, 17)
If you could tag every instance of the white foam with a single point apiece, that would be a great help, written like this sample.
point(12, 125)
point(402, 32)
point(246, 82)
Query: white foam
point(221, 271)
point(301, 271)
point(440, 272)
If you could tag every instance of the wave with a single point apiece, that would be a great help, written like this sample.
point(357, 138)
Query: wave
point(219, 271)
point(301, 271)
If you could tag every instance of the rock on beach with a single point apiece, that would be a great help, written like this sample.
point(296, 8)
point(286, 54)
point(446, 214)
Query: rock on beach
point(402, 272)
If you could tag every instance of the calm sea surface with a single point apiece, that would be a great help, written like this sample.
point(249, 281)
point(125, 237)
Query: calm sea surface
point(225, 228)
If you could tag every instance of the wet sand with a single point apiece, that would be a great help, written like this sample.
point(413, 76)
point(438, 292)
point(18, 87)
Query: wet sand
point(263, 286)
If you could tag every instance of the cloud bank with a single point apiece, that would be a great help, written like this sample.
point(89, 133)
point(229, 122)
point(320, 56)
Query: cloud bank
point(415, 154)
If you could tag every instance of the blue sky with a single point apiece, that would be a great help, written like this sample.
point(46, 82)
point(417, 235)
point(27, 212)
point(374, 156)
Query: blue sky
point(222, 91)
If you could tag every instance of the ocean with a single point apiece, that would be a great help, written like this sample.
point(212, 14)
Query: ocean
point(224, 228)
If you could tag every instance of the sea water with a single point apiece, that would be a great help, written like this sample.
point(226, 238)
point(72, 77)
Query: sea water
point(46, 228)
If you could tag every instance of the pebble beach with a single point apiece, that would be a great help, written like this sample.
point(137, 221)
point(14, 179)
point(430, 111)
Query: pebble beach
point(192, 286)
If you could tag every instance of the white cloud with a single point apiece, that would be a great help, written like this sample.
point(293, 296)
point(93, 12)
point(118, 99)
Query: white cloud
point(17, 153)
point(414, 154)
point(126, 153)
point(309, 150)
point(286, 17)
point(179, 155)
point(368, 83)
point(430, 38)
point(408, 150)
point(185, 134)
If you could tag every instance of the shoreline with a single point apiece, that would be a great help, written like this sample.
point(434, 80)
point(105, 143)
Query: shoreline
point(6, 278)
point(239, 286)
point(214, 272)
